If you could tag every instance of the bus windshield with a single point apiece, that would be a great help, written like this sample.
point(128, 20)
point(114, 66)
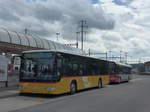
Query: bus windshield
point(38, 67)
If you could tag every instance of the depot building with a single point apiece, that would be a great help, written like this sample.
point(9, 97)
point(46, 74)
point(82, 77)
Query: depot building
point(147, 66)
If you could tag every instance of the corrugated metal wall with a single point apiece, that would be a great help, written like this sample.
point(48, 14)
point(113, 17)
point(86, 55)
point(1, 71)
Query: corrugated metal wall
point(17, 41)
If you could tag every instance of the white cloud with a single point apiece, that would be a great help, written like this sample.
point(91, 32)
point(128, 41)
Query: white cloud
point(131, 32)
point(45, 18)
point(44, 13)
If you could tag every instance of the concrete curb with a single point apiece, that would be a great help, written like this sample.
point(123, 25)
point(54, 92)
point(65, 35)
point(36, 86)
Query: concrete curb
point(9, 92)
point(10, 95)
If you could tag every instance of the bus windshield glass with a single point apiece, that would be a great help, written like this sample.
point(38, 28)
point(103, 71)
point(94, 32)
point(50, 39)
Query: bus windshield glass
point(38, 67)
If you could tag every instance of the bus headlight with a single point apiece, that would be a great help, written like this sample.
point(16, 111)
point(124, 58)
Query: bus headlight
point(50, 88)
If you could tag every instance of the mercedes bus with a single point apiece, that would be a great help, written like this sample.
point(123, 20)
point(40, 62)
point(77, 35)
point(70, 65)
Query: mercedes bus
point(58, 72)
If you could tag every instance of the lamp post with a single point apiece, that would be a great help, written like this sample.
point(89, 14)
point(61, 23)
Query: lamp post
point(57, 34)
point(110, 55)
point(120, 56)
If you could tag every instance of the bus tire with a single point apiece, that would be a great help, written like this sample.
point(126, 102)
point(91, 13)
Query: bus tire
point(100, 83)
point(73, 88)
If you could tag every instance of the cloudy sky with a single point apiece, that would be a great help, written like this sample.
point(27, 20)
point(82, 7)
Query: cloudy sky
point(116, 25)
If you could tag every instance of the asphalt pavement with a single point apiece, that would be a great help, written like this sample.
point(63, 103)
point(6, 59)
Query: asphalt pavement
point(126, 97)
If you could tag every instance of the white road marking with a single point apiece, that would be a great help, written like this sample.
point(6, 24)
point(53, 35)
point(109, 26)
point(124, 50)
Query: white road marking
point(138, 79)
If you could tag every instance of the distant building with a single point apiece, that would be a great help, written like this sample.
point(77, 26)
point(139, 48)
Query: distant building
point(147, 66)
point(138, 67)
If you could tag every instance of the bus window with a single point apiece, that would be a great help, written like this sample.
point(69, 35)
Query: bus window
point(111, 67)
point(88, 67)
point(75, 69)
point(75, 65)
point(59, 63)
point(80, 69)
point(38, 68)
point(104, 67)
point(67, 65)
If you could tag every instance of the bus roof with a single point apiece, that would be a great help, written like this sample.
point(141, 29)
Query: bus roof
point(123, 64)
point(83, 54)
point(74, 51)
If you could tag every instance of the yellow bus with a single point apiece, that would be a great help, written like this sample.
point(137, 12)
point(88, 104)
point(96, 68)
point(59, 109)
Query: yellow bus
point(57, 72)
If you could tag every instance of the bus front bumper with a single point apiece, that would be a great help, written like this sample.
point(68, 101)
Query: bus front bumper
point(39, 88)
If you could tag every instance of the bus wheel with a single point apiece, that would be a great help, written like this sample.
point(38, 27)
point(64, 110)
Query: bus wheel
point(100, 83)
point(73, 88)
